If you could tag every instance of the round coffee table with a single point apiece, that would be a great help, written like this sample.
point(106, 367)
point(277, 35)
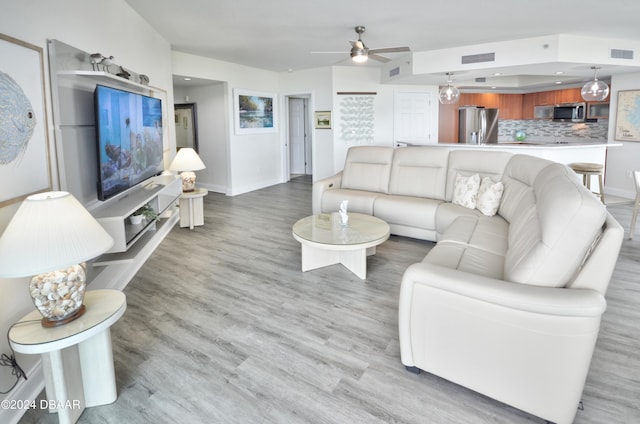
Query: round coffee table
point(325, 242)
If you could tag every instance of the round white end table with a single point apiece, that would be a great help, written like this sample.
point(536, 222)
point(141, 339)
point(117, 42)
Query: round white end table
point(77, 359)
point(191, 208)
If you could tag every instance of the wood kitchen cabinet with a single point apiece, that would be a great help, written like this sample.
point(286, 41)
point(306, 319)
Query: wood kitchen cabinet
point(510, 105)
point(569, 95)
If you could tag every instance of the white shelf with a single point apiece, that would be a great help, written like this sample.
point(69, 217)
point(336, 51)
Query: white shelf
point(106, 76)
point(161, 193)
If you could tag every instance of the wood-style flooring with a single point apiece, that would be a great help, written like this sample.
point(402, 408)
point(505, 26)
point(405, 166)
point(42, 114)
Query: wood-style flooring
point(223, 327)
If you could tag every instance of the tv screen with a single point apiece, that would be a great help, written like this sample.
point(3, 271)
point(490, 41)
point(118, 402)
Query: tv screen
point(129, 134)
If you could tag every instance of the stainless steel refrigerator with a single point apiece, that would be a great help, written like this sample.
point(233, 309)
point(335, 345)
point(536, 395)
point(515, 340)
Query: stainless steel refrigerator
point(478, 125)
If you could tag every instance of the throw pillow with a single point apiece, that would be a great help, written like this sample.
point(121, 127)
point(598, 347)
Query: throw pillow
point(489, 196)
point(465, 191)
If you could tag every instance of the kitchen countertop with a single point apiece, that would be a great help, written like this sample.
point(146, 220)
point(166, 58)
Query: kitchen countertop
point(534, 144)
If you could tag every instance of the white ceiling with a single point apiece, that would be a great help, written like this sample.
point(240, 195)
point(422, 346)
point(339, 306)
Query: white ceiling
point(281, 35)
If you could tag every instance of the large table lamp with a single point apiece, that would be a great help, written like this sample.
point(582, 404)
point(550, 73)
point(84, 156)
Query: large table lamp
point(50, 237)
point(187, 161)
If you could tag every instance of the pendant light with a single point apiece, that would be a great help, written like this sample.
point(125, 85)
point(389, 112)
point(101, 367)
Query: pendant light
point(449, 95)
point(596, 90)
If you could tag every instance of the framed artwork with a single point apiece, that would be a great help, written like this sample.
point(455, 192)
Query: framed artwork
point(628, 116)
point(25, 166)
point(255, 112)
point(323, 119)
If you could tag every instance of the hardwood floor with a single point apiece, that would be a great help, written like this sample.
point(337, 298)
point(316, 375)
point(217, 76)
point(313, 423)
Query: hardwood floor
point(223, 327)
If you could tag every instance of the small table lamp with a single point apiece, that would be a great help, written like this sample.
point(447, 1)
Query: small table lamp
point(187, 161)
point(51, 235)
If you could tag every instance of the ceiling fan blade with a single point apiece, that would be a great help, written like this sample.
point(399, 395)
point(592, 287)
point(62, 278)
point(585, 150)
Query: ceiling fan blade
point(378, 58)
point(390, 50)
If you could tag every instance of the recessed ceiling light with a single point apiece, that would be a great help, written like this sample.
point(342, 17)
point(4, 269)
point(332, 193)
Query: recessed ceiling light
point(497, 74)
point(558, 82)
point(559, 72)
point(187, 79)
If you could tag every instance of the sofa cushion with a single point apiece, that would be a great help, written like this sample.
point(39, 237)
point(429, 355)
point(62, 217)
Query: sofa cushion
point(489, 195)
point(410, 211)
point(368, 168)
point(465, 191)
point(518, 196)
point(549, 240)
point(486, 163)
point(419, 172)
point(448, 212)
point(359, 201)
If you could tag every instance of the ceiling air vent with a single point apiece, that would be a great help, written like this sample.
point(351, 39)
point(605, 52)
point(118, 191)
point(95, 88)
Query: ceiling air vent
point(478, 58)
point(481, 79)
point(395, 71)
point(621, 54)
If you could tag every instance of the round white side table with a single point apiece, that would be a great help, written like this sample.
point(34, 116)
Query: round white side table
point(77, 358)
point(191, 208)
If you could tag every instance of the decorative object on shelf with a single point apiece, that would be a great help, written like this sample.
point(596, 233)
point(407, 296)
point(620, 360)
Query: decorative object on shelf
point(52, 235)
point(123, 73)
point(323, 119)
point(595, 90)
point(144, 80)
point(519, 135)
point(145, 213)
point(449, 95)
point(187, 161)
point(23, 122)
point(627, 112)
point(342, 212)
point(98, 59)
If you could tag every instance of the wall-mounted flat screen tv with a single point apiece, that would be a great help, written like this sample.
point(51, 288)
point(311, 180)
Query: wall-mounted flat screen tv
point(129, 134)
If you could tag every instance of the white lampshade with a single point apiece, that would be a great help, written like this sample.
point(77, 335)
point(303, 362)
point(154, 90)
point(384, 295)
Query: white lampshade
point(187, 160)
point(50, 231)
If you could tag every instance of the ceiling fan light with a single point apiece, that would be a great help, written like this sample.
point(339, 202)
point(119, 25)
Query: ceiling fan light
point(359, 55)
point(595, 90)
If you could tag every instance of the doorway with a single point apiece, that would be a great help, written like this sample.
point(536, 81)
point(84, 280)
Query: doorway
point(299, 137)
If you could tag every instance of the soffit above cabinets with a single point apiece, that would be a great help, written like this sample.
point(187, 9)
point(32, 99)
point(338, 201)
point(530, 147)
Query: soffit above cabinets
point(519, 66)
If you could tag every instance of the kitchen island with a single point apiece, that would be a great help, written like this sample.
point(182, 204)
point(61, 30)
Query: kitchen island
point(563, 152)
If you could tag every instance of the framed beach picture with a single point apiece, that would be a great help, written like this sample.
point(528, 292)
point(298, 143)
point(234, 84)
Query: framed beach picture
point(322, 119)
point(628, 116)
point(25, 168)
point(255, 112)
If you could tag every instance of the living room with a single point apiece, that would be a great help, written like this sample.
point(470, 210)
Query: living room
point(253, 163)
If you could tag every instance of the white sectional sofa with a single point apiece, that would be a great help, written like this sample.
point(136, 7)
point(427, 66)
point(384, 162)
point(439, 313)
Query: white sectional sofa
point(507, 305)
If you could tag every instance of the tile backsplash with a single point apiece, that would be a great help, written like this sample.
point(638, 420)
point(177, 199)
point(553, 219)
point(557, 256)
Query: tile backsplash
point(546, 130)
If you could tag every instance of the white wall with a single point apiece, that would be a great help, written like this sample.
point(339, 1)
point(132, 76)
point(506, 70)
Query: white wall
point(621, 160)
point(254, 160)
point(317, 83)
point(111, 28)
point(212, 120)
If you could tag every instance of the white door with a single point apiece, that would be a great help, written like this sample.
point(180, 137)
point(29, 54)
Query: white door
point(299, 151)
point(412, 123)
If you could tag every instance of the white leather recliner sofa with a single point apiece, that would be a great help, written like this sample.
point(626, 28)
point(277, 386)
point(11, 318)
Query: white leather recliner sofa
point(507, 305)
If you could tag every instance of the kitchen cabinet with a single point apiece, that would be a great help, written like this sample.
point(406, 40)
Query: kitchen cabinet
point(570, 95)
point(598, 110)
point(510, 105)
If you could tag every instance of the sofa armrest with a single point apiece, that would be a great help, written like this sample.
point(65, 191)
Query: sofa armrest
point(320, 186)
point(523, 297)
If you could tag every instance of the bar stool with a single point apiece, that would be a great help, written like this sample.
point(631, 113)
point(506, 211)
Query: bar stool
point(587, 169)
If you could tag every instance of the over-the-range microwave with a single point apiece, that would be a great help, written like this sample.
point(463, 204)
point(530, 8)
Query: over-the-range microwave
point(570, 112)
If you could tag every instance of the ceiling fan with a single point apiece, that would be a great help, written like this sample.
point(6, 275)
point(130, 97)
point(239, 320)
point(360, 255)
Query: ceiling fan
point(361, 53)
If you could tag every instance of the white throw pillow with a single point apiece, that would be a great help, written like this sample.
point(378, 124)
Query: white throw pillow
point(489, 196)
point(465, 191)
